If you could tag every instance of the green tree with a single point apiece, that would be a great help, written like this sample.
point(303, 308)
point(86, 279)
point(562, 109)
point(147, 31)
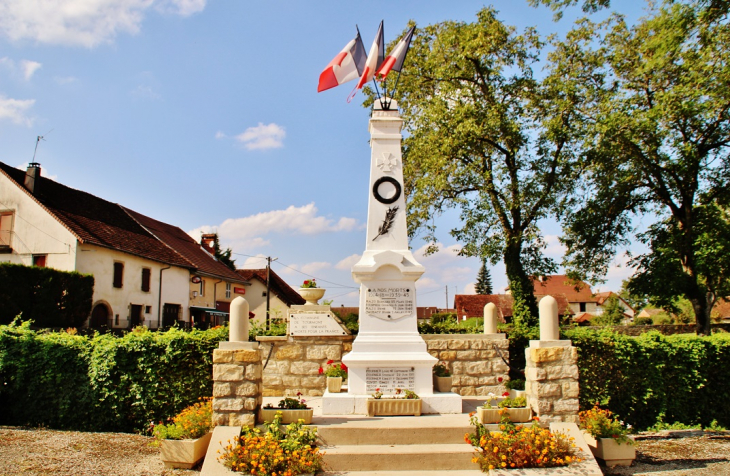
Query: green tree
point(224, 256)
point(484, 280)
point(486, 137)
point(612, 313)
point(658, 116)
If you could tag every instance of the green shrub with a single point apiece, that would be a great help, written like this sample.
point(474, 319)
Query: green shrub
point(643, 321)
point(654, 378)
point(102, 382)
point(48, 297)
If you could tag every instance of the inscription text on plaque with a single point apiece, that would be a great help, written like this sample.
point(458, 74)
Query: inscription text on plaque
point(388, 379)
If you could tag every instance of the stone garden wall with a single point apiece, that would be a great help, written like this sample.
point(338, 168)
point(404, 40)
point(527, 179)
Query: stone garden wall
point(294, 362)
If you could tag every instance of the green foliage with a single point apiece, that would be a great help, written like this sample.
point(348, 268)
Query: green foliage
point(612, 313)
point(643, 321)
point(102, 382)
point(48, 297)
point(223, 256)
point(449, 326)
point(277, 327)
point(441, 317)
point(486, 137)
point(484, 280)
point(191, 423)
point(652, 378)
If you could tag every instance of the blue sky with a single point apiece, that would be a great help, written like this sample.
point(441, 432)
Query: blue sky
point(204, 114)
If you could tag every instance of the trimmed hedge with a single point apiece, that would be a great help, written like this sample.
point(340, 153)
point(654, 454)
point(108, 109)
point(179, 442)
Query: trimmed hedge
point(654, 378)
point(48, 297)
point(104, 382)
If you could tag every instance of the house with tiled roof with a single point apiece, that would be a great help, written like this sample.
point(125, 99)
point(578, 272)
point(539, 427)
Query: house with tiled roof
point(142, 268)
point(281, 297)
point(472, 305)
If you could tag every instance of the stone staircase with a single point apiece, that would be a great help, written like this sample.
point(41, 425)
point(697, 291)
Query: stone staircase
point(397, 446)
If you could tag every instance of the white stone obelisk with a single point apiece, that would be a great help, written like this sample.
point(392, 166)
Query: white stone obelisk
point(388, 351)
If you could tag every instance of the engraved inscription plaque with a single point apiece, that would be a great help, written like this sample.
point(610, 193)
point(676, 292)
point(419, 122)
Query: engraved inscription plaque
point(389, 302)
point(389, 378)
point(311, 324)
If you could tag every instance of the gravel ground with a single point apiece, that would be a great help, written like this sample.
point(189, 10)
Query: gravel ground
point(31, 452)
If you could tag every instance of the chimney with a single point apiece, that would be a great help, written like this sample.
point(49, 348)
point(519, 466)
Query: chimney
point(207, 241)
point(31, 175)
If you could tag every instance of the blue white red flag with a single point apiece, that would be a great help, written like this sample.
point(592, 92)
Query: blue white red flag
point(349, 64)
point(394, 61)
point(375, 58)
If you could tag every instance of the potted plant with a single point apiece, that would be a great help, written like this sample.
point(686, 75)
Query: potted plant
point(335, 374)
point(404, 402)
point(607, 437)
point(516, 388)
point(310, 292)
point(515, 408)
point(518, 446)
point(442, 380)
point(289, 450)
point(292, 409)
point(183, 442)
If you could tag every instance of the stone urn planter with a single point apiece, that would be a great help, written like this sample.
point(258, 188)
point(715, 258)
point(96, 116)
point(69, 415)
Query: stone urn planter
point(442, 384)
point(517, 393)
point(611, 452)
point(394, 406)
point(517, 415)
point(334, 384)
point(288, 415)
point(184, 454)
point(311, 295)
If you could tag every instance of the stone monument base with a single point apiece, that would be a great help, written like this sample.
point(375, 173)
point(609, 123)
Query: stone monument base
point(349, 404)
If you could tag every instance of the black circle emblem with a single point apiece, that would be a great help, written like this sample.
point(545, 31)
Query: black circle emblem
point(379, 197)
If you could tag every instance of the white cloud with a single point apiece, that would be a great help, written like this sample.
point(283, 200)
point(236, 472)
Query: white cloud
point(220, 135)
point(29, 68)
point(144, 92)
point(253, 262)
point(82, 22)
point(263, 136)
point(312, 268)
point(347, 263)
point(64, 79)
point(16, 110)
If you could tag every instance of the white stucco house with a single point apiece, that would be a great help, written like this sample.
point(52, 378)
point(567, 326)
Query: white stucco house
point(142, 268)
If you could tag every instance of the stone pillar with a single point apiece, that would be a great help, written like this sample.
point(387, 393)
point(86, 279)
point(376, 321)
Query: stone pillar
point(551, 372)
point(490, 318)
point(237, 373)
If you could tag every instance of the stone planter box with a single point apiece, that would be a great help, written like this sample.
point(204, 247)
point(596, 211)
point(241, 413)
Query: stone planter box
point(612, 453)
point(334, 384)
point(516, 393)
point(311, 295)
point(184, 454)
point(289, 416)
point(442, 384)
point(394, 406)
point(491, 415)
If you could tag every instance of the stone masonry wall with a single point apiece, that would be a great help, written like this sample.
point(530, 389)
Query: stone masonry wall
point(551, 383)
point(474, 361)
point(237, 386)
point(294, 362)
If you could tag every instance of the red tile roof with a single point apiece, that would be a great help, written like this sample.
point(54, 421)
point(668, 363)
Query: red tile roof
point(472, 305)
point(722, 308)
point(574, 291)
point(278, 286)
point(183, 244)
point(96, 221)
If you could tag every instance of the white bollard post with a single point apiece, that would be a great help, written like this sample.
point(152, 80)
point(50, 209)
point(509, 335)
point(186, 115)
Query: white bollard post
point(238, 325)
point(490, 318)
point(549, 323)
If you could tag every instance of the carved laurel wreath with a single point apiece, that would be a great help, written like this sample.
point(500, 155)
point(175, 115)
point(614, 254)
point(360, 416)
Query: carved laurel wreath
point(387, 222)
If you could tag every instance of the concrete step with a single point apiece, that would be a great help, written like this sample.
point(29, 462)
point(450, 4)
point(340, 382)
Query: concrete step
point(435, 457)
point(462, 472)
point(386, 435)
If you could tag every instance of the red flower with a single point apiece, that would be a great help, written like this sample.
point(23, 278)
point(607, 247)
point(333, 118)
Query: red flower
point(500, 379)
point(330, 362)
point(343, 367)
point(321, 371)
point(505, 394)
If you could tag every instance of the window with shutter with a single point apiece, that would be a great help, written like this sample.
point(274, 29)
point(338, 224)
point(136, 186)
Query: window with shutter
point(118, 274)
point(146, 279)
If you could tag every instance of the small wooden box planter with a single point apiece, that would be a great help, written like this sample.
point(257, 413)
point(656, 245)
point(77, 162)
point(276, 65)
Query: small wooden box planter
point(288, 415)
point(611, 452)
point(184, 454)
point(517, 415)
point(334, 384)
point(394, 406)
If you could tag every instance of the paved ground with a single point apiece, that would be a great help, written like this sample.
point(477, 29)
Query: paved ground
point(41, 452)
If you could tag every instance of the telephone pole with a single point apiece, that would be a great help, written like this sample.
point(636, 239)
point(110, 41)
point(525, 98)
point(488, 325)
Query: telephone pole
point(447, 297)
point(268, 289)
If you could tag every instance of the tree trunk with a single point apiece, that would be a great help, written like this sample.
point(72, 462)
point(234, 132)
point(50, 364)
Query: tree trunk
point(524, 304)
point(702, 304)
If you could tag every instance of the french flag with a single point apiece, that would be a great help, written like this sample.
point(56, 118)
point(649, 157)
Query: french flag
point(375, 58)
point(346, 66)
point(394, 61)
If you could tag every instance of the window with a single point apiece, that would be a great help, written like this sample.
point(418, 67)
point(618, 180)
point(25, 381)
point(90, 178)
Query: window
point(228, 290)
point(118, 274)
point(147, 309)
point(202, 287)
point(6, 228)
point(146, 279)
point(39, 260)
point(582, 307)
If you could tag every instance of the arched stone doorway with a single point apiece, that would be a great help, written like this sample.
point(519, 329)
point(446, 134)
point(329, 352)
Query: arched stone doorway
point(100, 316)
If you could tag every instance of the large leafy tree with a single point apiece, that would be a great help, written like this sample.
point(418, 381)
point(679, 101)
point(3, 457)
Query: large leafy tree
point(658, 109)
point(485, 136)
